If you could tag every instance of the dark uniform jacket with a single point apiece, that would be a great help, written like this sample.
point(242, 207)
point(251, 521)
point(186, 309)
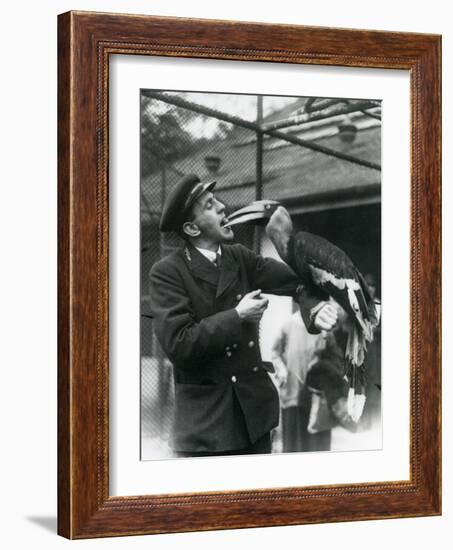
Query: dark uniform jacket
point(224, 398)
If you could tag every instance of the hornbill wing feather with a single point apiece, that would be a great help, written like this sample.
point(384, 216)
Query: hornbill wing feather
point(323, 254)
point(364, 286)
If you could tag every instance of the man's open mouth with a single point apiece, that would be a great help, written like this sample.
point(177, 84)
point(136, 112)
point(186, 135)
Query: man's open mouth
point(223, 225)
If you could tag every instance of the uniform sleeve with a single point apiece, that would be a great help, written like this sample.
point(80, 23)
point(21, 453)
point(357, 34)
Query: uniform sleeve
point(276, 277)
point(310, 302)
point(180, 335)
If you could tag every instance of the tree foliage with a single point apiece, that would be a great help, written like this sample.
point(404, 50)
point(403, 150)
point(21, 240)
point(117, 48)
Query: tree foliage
point(166, 134)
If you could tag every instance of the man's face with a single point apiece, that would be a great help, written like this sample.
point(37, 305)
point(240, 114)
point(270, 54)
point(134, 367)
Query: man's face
point(208, 215)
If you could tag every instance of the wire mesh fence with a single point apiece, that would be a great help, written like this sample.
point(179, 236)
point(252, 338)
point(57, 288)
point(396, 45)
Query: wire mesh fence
point(311, 167)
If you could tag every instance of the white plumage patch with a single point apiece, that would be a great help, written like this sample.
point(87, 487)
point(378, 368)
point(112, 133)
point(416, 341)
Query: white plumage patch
point(321, 277)
point(355, 404)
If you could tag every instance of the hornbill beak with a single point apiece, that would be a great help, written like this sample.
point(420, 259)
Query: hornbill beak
point(258, 213)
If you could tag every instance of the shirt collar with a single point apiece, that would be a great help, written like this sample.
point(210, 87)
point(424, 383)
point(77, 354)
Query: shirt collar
point(209, 254)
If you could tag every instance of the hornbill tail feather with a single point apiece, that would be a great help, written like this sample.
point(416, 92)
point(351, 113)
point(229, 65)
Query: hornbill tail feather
point(356, 396)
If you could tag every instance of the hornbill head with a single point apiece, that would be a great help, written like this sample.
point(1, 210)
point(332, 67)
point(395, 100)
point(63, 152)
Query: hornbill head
point(270, 213)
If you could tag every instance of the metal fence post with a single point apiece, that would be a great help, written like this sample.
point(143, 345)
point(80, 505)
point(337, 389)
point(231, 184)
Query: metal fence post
point(259, 166)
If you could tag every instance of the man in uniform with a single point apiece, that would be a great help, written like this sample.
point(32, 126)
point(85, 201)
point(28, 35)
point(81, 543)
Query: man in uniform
point(206, 301)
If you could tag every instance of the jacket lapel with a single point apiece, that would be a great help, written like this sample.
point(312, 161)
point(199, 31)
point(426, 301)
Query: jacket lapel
point(228, 271)
point(200, 266)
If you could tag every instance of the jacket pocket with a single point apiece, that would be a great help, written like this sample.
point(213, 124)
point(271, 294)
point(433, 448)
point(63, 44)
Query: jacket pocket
point(268, 366)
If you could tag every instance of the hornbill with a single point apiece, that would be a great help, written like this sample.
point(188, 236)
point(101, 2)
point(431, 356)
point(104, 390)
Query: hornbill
point(319, 262)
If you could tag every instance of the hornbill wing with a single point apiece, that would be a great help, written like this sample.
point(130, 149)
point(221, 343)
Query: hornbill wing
point(322, 254)
point(330, 268)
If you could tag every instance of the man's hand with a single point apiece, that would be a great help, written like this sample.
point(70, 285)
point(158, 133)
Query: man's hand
point(281, 373)
point(326, 318)
point(252, 306)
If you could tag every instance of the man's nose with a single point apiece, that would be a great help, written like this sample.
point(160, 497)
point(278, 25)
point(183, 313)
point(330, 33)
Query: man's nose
point(220, 206)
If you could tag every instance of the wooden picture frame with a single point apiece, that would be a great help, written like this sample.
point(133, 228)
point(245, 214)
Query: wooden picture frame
point(85, 41)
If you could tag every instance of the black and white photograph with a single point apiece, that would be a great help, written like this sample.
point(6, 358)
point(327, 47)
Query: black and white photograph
point(227, 281)
point(260, 274)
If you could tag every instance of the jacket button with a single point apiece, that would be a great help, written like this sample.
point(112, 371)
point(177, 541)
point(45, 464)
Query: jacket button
point(239, 297)
point(235, 346)
point(228, 348)
point(251, 344)
point(229, 354)
point(233, 379)
point(255, 369)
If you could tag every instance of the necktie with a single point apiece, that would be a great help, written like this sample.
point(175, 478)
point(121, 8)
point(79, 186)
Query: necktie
point(218, 259)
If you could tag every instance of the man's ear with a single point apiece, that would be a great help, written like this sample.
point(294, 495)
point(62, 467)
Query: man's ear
point(191, 229)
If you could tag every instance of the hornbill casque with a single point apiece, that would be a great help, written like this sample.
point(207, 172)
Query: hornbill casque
point(319, 262)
